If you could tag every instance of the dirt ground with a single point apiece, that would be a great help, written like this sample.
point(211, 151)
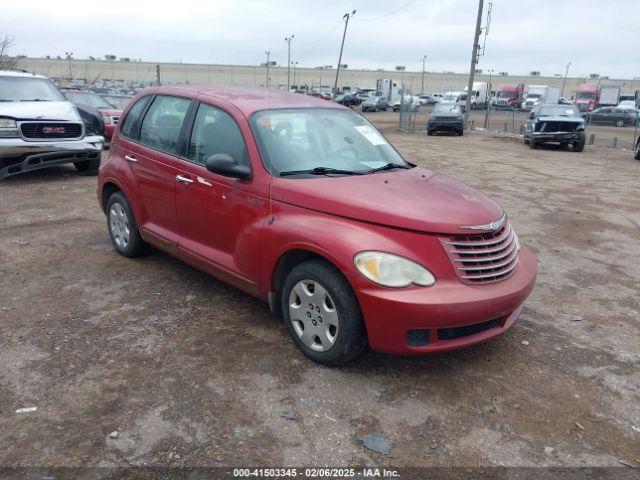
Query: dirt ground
point(189, 371)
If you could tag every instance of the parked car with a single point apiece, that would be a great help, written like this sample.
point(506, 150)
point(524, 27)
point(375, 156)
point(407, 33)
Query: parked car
point(374, 104)
point(410, 103)
point(40, 128)
point(445, 117)
point(110, 114)
point(611, 116)
point(427, 99)
point(348, 99)
point(350, 242)
point(553, 123)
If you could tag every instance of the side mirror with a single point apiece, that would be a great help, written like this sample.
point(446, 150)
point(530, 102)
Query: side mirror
point(224, 164)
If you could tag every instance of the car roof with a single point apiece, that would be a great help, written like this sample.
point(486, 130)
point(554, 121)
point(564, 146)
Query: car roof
point(12, 73)
point(246, 99)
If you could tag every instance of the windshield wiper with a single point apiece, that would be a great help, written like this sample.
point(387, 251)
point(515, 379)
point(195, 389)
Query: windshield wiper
point(388, 166)
point(35, 100)
point(320, 171)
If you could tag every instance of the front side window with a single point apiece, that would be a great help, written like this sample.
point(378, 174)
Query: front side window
point(558, 111)
point(215, 131)
point(321, 138)
point(133, 115)
point(163, 122)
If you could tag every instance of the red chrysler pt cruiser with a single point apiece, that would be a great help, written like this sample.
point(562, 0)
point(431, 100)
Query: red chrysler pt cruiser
point(302, 203)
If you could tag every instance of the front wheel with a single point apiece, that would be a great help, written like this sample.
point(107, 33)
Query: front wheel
point(637, 155)
point(532, 143)
point(578, 145)
point(88, 167)
point(322, 314)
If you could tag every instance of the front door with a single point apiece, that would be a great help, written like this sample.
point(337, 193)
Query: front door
point(217, 214)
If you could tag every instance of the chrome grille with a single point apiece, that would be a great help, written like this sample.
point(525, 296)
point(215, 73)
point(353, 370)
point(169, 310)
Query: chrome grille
point(46, 130)
point(483, 257)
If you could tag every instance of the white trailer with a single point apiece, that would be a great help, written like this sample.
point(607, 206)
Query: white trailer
point(609, 95)
point(479, 97)
point(389, 89)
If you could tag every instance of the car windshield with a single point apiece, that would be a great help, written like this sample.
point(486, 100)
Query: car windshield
point(533, 95)
point(586, 95)
point(88, 98)
point(450, 97)
point(558, 111)
point(446, 108)
point(324, 139)
point(27, 89)
point(506, 94)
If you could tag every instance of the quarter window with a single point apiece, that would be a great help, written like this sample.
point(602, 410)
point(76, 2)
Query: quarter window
point(215, 131)
point(163, 122)
point(131, 120)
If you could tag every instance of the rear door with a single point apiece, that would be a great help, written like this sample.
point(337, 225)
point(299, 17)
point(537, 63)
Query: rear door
point(153, 160)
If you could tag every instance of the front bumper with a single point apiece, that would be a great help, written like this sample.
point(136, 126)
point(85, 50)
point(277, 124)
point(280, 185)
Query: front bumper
point(557, 136)
point(18, 155)
point(446, 316)
point(444, 126)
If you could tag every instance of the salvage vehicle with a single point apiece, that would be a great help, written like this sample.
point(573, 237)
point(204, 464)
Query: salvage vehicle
point(110, 114)
point(553, 123)
point(304, 204)
point(445, 117)
point(40, 128)
point(374, 104)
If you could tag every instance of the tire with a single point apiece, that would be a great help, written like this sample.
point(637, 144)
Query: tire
point(578, 145)
point(525, 140)
point(319, 290)
point(123, 231)
point(637, 155)
point(89, 167)
point(532, 143)
point(461, 132)
point(429, 132)
point(619, 123)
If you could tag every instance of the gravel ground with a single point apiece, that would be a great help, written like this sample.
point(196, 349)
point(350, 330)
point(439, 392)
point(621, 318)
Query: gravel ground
point(148, 361)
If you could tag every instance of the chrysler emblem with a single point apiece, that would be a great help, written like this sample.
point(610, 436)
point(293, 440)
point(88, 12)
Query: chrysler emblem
point(489, 226)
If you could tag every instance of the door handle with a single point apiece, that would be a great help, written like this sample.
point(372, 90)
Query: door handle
point(182, 179)
point(129, 158)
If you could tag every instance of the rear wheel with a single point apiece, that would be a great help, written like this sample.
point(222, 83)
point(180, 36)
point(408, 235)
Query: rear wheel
point(322, 314)
point(637, 155)
point(88, 167)
point(122, 227)
point(620, 123)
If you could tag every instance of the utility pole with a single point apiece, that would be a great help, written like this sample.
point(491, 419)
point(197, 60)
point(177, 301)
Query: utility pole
point(346, 18)
point(288, 40)
point(294, 74)
point(268, 53)
point(158, 74)
point(564, 80)
point(69, 56)
point(424, 57)
point(474, 61)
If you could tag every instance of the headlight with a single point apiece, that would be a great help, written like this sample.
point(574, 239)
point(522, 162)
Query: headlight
point(391, 270)
point(8, 128)
point(8, 123)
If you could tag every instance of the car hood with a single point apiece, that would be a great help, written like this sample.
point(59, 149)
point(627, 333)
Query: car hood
point(414, 199)
point(64, 111)
point(560, 119)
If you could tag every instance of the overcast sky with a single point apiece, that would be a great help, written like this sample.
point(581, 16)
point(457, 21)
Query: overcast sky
point(596, 36)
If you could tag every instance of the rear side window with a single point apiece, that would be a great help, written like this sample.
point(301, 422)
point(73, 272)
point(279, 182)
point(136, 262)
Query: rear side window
point(163, 122)
point(133, 116)
point(215, 131)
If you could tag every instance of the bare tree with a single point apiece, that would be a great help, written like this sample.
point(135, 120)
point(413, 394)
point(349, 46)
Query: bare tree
point(7, 62)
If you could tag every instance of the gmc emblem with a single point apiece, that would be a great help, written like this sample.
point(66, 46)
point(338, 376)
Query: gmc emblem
point(50, 130)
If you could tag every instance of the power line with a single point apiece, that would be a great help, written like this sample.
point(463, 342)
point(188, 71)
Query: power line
point(386, 14)
point(305, 44)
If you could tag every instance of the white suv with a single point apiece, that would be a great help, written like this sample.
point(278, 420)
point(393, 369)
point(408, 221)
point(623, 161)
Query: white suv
point(40, 128)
